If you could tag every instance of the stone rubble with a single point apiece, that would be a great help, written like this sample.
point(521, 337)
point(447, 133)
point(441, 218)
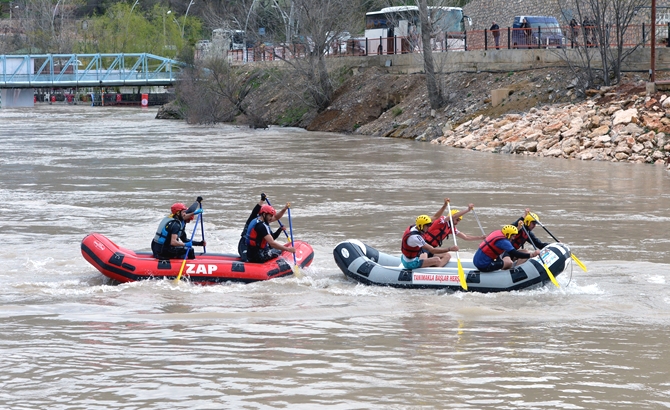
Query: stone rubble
point(636, 129)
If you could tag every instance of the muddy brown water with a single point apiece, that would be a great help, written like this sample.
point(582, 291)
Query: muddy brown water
point(72, 339)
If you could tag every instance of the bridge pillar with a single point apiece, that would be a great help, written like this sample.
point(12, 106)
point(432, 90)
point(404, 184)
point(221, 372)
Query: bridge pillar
point(17, 97)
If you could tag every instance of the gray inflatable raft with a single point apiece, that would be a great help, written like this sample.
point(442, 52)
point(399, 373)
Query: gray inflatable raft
point(367, 265)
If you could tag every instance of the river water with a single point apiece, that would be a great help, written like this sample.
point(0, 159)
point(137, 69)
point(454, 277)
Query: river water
point(70, 339)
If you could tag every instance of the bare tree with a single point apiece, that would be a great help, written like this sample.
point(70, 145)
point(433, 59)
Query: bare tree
point(309, 28)
point(198, 100)
point(436, 24)
point(48, 25)
point(435, 93)
point(214, 91)
point(601, 42)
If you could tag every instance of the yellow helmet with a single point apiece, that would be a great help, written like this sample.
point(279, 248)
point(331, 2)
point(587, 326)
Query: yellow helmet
point(509, 230)
point(454, 212)
point(531, 217)
point(423, 220)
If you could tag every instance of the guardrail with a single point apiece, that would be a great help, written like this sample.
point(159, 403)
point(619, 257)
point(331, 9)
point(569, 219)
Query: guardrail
point(506, 38)
point(86, 70)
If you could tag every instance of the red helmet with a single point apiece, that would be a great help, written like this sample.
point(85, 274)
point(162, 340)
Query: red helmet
point(267, 209)
point(177, 207)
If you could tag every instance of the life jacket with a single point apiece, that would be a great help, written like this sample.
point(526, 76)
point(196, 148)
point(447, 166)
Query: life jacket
point(410, 252)
point(250, 229)
point(489, 246)
point(520, 239)
point(436, 233)
point(254, 240)
point(161, 236)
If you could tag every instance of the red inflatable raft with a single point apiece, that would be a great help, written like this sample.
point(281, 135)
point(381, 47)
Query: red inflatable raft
point(125, 265)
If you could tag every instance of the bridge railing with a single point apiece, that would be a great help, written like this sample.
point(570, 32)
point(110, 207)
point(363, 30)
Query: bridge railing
point(86, 70)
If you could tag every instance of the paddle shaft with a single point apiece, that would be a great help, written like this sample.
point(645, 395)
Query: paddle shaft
point(478, 223)
point(290, 227)
point(461, 274)
point(279, 221)
point(202, 228)
point(183, 263)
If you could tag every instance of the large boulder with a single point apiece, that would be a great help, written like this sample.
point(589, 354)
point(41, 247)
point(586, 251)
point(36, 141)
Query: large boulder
point(170, 111)
point(625, 116)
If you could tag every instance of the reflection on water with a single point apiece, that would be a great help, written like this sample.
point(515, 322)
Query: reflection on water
point(72, 339)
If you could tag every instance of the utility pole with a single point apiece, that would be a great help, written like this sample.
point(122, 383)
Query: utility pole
point(652, 68)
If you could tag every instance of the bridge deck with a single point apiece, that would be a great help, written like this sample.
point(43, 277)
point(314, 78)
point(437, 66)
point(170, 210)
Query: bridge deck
point(86, 70)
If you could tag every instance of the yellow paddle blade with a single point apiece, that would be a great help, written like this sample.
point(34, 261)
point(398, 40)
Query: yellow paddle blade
point(296, 272)
point(551, 275)
point(180, 271)
point(461, 275)
point(581, 265)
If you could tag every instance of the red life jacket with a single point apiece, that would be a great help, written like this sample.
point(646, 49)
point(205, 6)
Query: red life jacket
point(410, 252)
point(489, 246)
point(254, 240)
point(437, 232)
point(520, 239)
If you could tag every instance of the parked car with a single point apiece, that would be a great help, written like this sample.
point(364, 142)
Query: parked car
point(544, 32)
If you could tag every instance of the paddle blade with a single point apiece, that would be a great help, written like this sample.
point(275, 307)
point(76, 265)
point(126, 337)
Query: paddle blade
point(296, 272)
point(461, 275)
point(181, 270)
point(581, 265)
point(194, 206)
point(551, 275)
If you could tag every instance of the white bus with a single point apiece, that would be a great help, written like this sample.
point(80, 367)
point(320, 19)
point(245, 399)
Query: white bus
point(403, 23)
point(230, 39)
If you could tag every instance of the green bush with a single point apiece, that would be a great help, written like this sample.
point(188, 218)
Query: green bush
point(292, 116)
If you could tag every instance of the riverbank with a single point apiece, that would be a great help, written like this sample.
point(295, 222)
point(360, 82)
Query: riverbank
point(541, 115)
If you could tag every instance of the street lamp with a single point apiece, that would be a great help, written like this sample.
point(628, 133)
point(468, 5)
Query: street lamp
point(125, 37)
point(53, 17)
point(11, 6)
point(183, 26)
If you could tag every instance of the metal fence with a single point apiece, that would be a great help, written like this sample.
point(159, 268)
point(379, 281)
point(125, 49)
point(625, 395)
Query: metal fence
point(503, 39)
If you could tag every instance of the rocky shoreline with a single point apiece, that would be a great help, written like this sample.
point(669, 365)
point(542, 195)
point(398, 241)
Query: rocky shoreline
point(635, 129)
point(542, 116)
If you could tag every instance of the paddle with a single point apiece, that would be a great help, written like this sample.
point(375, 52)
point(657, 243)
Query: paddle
point(478, 223)
point(546, 268)
point(296, 268)
point(279, 221)
point(581, 265)
point(461, 274)
point(183, 263)
point(202, 224)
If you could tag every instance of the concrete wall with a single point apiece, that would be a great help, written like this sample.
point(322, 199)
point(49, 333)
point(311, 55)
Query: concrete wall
point(498, 60)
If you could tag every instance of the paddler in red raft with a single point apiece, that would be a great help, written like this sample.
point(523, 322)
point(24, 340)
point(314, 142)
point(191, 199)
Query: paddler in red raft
point(170, 241)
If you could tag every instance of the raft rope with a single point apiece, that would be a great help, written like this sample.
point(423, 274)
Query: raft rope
point(572, 267)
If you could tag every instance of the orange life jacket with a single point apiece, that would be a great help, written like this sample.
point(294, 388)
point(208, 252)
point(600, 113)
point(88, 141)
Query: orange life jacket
point(490, 247)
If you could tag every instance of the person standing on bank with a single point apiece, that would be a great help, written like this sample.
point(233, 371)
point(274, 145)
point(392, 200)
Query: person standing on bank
point(242, 244)
point(170, 241)
point(261, 245)
point(415, 249)
point(495, 30)
point(497, 251)
point(526, 30)
point(574, 29)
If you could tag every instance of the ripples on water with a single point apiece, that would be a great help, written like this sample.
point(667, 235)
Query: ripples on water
point(70, 339)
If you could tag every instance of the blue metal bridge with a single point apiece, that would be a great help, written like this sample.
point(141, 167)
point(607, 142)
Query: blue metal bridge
point(86, 70)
